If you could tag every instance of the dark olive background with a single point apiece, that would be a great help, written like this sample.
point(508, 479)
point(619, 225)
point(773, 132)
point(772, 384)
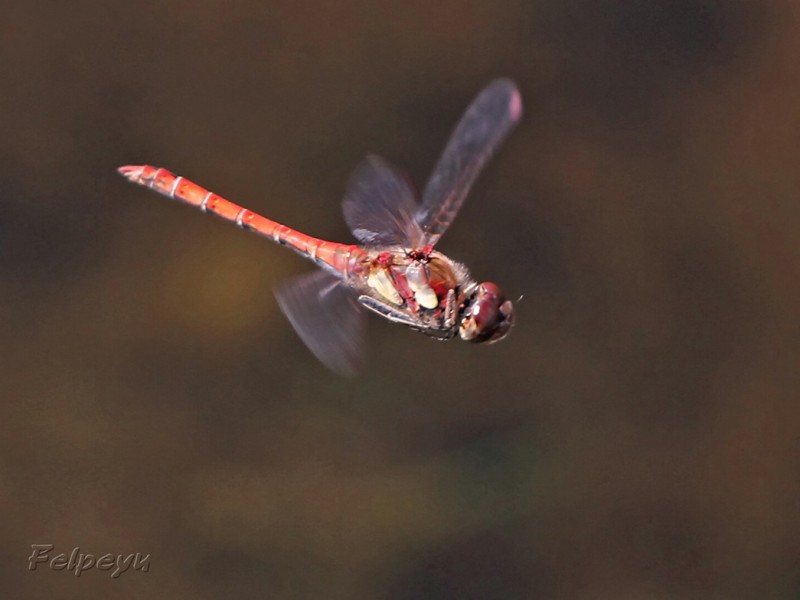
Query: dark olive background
point(635, 437)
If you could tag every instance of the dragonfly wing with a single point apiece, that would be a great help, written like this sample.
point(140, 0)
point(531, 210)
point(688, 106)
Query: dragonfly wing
point(380, 205)
point(328, 318)
point(483, 127)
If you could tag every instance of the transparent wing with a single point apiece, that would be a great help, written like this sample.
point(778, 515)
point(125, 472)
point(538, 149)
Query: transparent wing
point(484, 125)
point(328, 318)
point(380, 204)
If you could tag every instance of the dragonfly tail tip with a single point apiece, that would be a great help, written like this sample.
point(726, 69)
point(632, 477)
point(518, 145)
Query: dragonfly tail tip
point(131, 172)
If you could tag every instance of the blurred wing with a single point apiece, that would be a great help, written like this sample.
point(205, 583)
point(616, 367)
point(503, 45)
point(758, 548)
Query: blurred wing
point(379, 205)
point(484, 125)
point(327, 317)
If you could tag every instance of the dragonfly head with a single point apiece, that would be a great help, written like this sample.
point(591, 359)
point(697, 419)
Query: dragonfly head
point(487, 315)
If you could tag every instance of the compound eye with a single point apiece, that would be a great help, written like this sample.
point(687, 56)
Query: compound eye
point(489, 315)
point(485, 310)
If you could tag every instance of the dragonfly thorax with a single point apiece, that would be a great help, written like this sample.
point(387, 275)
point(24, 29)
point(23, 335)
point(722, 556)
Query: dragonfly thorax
point(405, 277)
point(424, 290)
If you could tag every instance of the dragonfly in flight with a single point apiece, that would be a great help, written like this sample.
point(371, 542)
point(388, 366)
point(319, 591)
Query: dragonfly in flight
point(395, 271)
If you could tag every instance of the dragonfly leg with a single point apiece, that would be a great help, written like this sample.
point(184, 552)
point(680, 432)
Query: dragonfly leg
point(388, 311)
point(428, 327)
point(450, 309)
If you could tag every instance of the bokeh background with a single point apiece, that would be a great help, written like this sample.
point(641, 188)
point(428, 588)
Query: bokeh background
point(635, 438)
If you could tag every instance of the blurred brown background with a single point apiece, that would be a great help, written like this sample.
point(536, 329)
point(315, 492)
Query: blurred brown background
point(635, 437)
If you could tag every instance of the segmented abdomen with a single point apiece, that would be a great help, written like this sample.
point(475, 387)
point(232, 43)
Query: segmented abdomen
point(344, 260)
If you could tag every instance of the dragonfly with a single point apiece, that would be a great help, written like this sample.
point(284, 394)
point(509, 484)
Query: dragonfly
point(395, 270)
